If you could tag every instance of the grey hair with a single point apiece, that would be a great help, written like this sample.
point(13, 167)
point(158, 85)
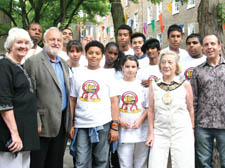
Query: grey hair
point(15, 33)
point(177, 58)
point(51, 28)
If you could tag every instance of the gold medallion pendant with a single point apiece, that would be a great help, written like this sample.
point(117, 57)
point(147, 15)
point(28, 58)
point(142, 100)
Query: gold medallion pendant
point(167, 99)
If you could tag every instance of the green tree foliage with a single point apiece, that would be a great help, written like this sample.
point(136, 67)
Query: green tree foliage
point(51, 12)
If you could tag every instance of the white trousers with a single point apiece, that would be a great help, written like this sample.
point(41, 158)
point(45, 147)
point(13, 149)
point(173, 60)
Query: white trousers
point(133, 155)
point(10, 160)
point(182, 152)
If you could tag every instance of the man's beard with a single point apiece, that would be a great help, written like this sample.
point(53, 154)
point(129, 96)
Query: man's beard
point(52, 51)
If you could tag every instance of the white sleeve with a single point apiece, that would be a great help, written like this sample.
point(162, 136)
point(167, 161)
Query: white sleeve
point(73, 92)
point(146, 97)
point(113, 84)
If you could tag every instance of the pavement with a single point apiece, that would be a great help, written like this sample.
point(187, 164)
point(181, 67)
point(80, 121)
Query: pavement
point(68, 159)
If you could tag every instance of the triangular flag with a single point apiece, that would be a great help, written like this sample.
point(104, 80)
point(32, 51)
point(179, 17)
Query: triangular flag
point(224, 26)
point(131, 23)
point(153, 25)
point(162, 28)
point(170, 8)
point(182, 3)
point(126, 18)
point(145, 28)
point(107, 29)
point(182, 27)
point(103, 27)
point(160, 19)
point(78, 27)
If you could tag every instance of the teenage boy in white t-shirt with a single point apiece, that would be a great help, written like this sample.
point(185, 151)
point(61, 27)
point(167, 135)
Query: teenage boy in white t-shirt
point(175, 39)
point(94, 102)
point(151, 71)
point(137, 41)
point(196, 57)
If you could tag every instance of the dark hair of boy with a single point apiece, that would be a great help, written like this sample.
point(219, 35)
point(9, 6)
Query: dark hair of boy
point(172, 28)
point(129, 57)
point(67, 29)
point(74, 43)
point(117, 64)
point(126, 27)
point(135, 35)
point(150, 43)
point(28, 27)
point(195, 35)
point(95, 43)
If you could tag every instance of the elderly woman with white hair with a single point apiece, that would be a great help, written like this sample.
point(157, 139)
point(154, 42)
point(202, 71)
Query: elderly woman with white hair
point(18, 118)
point(171, 117)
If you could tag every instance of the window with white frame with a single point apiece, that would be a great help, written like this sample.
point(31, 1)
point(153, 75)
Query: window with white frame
point(190, 4)
point(127, 2)
point(150, 15)
point(175, 7)
point(136, 21)
point(111, 32)
point(158, 10)
point(191, 28)
point(159, 37)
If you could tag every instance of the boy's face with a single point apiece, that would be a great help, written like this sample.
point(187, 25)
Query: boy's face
point(123, 37)
point(94, 56)
point(137, 43)
point(175, 39)
point(152, 53)
point(194, 47)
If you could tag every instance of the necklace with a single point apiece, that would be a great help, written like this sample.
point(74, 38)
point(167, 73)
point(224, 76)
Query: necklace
point(167, 98)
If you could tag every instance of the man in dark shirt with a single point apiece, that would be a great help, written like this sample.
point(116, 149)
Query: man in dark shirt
point(208, 82)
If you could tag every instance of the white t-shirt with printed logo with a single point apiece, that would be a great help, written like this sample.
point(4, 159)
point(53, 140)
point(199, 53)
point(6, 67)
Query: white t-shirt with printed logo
point(133, 101)
point(93, 90)
point(149, 72)
point(188, 64)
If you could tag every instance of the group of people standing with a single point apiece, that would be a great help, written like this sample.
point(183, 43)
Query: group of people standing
point(124, 105)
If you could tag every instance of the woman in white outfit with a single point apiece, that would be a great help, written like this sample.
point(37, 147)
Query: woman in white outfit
point(171, 117)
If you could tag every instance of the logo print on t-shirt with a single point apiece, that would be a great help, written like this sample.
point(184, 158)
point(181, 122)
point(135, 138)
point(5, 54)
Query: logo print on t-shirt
point(152, 78)
point(129, 100)
point(188, 73)
point(90, 91)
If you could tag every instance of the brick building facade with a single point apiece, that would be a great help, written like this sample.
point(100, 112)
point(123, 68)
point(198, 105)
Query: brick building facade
point(144, 17)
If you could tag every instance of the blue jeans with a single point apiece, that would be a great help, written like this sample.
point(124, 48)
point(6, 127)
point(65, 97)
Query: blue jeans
point(92, 155)
point(204, 140)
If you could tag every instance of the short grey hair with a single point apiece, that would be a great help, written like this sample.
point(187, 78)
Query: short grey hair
point(15, 33)
point(177, 58)
point(51, 28)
